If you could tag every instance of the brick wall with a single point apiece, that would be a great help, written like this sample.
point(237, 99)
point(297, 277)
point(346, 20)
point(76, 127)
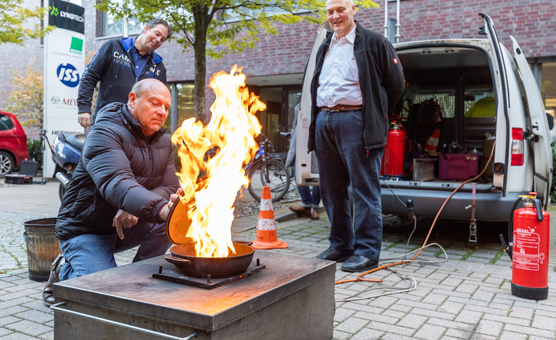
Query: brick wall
point(531, 22)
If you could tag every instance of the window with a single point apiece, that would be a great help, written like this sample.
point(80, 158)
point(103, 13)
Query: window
point(5, 123)
point(231, 16)
point(114, 28)
point(182, 105)
point(548, 87)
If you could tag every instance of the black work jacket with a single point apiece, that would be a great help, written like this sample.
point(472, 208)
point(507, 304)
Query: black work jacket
point(381, 81)
point(120, 168)
point(114, 67)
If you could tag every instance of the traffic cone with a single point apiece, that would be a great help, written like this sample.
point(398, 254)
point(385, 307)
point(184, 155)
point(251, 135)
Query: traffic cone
point(267, 237)
point(432, 142)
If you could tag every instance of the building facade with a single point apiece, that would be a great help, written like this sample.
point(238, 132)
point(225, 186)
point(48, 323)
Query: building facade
point(275, 67)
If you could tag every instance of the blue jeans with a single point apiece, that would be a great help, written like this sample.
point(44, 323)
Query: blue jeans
point(91, 253)
point(343, 159)
point(310, 196)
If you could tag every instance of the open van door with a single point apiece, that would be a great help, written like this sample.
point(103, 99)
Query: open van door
point(502, 150)
point(306, 167)
point(542, 152)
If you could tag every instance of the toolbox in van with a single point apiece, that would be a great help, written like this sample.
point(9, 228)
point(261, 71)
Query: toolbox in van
point(27, 170)
point(455, 167)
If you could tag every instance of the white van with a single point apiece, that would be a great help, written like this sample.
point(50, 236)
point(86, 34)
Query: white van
point(484, 93)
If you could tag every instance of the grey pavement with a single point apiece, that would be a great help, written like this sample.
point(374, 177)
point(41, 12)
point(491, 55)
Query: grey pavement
point(466, 297)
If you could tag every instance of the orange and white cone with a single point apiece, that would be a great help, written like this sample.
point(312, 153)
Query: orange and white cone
point(267, 238)
point(432, 142)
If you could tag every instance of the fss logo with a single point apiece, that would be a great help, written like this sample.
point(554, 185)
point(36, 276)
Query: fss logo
point(68, 74)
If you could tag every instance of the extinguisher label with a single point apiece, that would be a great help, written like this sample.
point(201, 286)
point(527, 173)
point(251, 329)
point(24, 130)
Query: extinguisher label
point(526, 249)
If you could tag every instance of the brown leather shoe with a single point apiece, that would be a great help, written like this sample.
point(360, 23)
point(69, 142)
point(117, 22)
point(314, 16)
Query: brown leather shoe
point(48, 292)
point(302, 211)
point(315, 214)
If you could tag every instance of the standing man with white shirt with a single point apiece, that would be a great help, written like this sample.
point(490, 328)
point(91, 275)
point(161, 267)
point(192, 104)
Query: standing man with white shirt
point(358, 78)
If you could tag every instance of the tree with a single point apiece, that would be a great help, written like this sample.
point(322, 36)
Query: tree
point(14, 22)
point(204, 25)
point(26, 98)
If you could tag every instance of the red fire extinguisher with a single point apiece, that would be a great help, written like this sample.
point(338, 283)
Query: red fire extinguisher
point(393, 156)
point(529, 250)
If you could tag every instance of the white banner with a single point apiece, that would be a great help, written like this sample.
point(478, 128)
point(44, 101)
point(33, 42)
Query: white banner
point(64, 63)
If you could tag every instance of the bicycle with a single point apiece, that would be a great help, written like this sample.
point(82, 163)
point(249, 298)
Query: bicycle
point(267, 169)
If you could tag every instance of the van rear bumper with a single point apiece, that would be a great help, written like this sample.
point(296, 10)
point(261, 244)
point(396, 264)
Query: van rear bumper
point(490, 206)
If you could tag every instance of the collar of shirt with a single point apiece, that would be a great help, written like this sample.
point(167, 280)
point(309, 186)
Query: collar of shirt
point(139, 59)
point(350, 37)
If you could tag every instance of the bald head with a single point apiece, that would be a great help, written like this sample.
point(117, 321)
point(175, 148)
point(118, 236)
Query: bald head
point(341, 16)
point(149, 102)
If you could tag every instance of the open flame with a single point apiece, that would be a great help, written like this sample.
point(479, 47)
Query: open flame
point(212, 159)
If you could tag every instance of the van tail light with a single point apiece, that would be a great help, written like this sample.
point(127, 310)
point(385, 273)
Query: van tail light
point(518, 146)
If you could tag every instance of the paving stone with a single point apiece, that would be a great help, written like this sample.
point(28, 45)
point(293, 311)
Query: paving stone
point(338, 335)
point(28, 327)
point(367, 334)
point(435, 299)
point(530, 331)
point(391, 329)
point(544, 322)
point(469, 317)
point(430, 332)
point(412, 321)
point(17, 336)
point(487, 327)
point(35, 316)
point(376, 317)
point(8, 320)
point(352, 325)
point(513, 336)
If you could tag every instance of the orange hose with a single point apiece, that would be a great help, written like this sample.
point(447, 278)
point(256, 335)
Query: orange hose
point(361, 278)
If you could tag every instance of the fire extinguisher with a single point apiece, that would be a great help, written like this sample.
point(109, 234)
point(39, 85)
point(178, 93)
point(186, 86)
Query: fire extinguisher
point(394, 151)
point(529, 249)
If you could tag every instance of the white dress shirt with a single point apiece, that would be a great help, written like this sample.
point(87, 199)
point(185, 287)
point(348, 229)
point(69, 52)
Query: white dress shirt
point(339, 77)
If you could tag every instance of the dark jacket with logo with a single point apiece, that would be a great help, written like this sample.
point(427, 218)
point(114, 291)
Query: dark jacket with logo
point(114, 67)
point(381, 81)
point(119, 168)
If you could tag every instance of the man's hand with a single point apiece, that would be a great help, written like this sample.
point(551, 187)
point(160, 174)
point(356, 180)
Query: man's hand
point(165, 211)
point(84, 119)
point(123, 220)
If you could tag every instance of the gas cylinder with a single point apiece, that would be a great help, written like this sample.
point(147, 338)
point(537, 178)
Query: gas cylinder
point(393, 156)
point(530, 250)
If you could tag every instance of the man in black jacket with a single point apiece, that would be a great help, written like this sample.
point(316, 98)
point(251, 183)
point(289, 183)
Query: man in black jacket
point(120, 192)
point(358, 78)
point(118, 65)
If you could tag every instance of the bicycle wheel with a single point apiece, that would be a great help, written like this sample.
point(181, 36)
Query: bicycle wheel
point(274, 175)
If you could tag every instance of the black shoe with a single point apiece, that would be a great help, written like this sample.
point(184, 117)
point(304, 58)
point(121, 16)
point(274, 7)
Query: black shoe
point(359, 263)
point(333, 254)
point(48, 292)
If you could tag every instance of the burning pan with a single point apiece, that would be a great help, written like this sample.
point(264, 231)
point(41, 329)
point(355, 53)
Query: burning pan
point(183, 257)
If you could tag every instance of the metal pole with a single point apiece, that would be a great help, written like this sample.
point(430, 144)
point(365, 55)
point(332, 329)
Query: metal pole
point(386, 18)
point(397, 21)
point(126, 29)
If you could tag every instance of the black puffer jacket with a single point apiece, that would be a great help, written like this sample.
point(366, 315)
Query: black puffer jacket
point(119, 169)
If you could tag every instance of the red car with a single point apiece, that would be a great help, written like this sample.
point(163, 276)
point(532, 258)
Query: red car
point(13, 143)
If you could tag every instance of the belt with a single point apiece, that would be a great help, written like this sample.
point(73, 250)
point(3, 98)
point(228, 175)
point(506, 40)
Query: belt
point(341, 108)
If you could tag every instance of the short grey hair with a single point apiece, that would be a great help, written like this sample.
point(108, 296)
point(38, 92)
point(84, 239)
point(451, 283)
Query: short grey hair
point(158, 21)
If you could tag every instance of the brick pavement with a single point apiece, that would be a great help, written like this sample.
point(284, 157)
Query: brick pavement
point(466, 297)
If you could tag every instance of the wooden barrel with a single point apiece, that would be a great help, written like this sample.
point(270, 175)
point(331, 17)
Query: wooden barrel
point(42, 247)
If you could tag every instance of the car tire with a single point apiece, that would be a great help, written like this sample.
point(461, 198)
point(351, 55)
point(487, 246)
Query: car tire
point(7, 163)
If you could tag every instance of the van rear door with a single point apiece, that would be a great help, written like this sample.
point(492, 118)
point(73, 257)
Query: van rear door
point(542, 152)
point(502, 166)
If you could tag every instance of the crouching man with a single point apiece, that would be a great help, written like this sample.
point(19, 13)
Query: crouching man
point(122, 189)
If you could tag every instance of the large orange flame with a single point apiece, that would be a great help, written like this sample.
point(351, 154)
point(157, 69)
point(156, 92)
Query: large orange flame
point(211, 183)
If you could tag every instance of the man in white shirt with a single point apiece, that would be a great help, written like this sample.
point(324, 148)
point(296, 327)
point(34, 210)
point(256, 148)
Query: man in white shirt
point(358, 79)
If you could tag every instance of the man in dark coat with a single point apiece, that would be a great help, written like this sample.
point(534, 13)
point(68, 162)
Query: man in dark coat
point(358, 78)
point(120, 63)
point(120, 192)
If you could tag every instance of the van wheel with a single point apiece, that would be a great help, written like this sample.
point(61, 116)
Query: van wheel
point(7, 163)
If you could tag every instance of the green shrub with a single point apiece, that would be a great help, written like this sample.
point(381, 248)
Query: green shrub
point(35, 150)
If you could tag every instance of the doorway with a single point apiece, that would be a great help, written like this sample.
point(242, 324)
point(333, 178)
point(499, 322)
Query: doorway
point(279, 114)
